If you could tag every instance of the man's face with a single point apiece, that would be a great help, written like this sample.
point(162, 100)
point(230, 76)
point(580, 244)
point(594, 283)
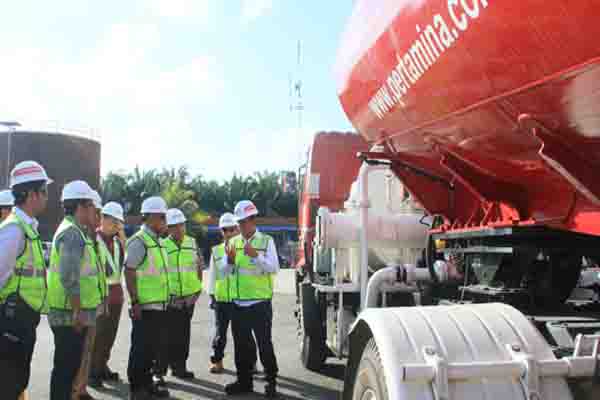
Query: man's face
point(248, 226)
point(87, 213)
point(158, 223)
point(110, 225)
point(39, 200)
point(4, 213)
point(229, 232)
point(177, 231)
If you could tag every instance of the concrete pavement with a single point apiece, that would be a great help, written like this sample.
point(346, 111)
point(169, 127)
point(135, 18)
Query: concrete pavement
point(295, 382)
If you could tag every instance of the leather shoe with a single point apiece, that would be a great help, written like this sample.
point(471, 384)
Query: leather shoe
point(159, 392)
point(237, 388)
point(183, 374)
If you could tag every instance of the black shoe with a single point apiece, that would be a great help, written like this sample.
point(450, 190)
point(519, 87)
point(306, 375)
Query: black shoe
point(237, 388)
point(159, 392)
point(183, 374)
point(141, 394)
point(111, 376)
point(85, 396)
point(95, 382)
point(270, 391)
point(159, 381)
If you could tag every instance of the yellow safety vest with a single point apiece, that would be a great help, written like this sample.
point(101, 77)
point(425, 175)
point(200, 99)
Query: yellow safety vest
point(151, 275)
point(223, 285)
point(89, 280)
point(250, 283)
point(183, 267)
point(28, 279)
point(112, 259)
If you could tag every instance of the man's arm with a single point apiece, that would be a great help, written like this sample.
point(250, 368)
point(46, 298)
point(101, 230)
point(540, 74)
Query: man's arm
point(268, 262)
point(212, 276)
point(200, 263)
point(71, 248)
point(12, 243)
point(134, 257)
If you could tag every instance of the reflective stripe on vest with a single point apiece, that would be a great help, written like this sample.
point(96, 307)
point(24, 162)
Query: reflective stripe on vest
point(28, 279)
point(183, 267)
point(112, 259)
point(151, 275)
point(251, 283)
point(90, 284)
point(222, 282)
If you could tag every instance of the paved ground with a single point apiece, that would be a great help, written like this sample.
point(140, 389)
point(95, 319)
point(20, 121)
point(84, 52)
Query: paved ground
point(295, 382)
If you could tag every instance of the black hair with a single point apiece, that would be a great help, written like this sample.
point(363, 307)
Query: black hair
point(21, 191)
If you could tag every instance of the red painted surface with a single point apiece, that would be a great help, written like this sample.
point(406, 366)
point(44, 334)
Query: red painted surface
point(507, 109)
point(332, 157)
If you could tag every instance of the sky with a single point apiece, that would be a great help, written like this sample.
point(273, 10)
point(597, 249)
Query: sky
point(200, 83)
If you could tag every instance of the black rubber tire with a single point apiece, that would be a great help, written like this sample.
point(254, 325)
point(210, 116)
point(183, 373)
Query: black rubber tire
point(369, 380)
point(313, 348)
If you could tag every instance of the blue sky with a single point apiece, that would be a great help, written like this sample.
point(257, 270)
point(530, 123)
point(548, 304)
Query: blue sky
point(202, 83)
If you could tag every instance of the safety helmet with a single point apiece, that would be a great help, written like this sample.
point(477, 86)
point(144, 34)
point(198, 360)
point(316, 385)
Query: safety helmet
point(97, 200)
point(77, 190)
point(154, 205)
point(175, 217)
point(114, 210)
point(6, 198)
point(244, 209)
point(227, 220)
point(28, 171)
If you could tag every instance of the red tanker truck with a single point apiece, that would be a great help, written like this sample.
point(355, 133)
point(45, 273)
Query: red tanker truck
point(449, 271)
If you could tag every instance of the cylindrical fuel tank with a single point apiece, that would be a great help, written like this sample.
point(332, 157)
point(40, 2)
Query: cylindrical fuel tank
point(65, 156)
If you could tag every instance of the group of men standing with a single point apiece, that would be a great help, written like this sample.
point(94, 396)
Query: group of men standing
point(82, 294)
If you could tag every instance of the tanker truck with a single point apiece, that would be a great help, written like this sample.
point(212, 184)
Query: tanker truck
point(475, 213)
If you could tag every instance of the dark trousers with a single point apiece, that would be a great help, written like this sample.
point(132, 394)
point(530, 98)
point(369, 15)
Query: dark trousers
point(68, 351)
point(176, 348)
point(223, 314)
point(257, 319)
point(106, 333)
point(17, 341)
point(147, 338)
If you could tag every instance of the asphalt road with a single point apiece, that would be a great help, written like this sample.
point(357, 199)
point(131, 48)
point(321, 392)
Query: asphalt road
point(295, 382)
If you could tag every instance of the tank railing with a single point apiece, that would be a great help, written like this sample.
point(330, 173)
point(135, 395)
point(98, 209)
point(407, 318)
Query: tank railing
point(58, 127)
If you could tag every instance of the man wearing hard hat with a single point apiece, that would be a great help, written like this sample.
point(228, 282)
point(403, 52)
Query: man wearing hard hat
point(255, 258)
point(22, 276)
point(74, 286)
point(185, 265)
point(148, 287)
point(111, 251)
point(81, 381)
point(7, 201)
point(219, 289)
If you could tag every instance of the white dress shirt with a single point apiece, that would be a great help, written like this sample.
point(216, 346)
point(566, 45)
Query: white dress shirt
point(12, 244)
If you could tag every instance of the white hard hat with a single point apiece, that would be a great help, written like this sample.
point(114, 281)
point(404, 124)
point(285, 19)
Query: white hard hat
point(114, 210)
point(227, 220)
point(28, 171)
point(97, 200)
point(244, 209)
point(154, 205)
point(175, 217)
point(77, 190)
point(6, 198)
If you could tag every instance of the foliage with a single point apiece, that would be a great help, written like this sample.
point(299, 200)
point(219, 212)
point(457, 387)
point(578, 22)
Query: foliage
point(196, 196)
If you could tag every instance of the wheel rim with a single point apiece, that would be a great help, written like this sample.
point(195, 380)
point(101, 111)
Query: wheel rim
point(369, 394)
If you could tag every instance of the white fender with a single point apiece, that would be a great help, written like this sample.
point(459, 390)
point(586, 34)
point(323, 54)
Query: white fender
point(484, 351)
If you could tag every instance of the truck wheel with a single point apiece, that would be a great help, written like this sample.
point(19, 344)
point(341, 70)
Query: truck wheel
point(369, 381)
point(313, 350)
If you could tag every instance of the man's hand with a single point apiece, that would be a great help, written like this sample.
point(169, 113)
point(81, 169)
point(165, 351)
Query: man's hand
point(250, 251)
point(212, 302)
point(135, 312)
point(78, 321)
point(230, 250)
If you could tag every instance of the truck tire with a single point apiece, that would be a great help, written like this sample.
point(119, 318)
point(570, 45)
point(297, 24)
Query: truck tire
point(369, 381)
point(313, 349)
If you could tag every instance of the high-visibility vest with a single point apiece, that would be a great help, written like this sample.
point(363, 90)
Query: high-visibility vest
point(249, 282)
point(89, 281)
point(28, 279)
point(183, 267)
point(114, 259)
point(151, 275)
point(223, 285)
